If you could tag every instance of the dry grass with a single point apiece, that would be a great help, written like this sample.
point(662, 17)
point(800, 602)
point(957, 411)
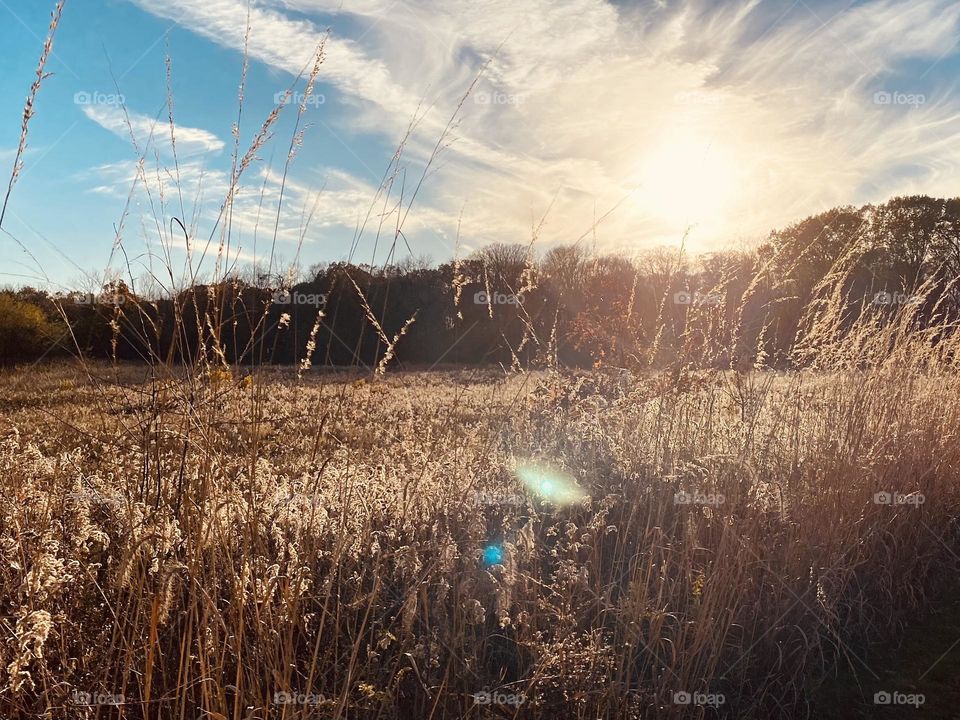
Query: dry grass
point(200, 543)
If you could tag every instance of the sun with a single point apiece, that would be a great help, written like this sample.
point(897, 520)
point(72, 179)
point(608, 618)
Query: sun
point(688, 179)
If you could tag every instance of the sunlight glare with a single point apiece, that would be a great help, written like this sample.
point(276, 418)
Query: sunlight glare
point(688, 179)
point(550, 484)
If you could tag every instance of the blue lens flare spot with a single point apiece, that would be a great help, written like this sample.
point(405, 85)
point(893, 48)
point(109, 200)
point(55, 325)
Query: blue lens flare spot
point(492, 555)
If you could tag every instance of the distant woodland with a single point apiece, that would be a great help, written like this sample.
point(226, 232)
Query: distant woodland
point(508, 304)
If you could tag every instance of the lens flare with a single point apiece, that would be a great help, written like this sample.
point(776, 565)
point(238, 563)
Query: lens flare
point(493, 555)
point(550, 484)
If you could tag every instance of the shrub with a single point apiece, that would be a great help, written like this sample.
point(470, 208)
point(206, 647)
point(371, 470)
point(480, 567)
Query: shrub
point(25, 332)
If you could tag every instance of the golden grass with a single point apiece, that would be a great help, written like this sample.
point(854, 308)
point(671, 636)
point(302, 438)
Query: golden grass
point(209, 542)
point(197, 544)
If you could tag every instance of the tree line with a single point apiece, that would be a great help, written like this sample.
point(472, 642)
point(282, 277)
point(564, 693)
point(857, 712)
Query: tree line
point(505, 305)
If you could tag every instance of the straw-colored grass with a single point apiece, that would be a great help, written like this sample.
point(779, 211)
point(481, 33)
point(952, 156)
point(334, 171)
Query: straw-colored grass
point(203, 544)
point(192, 541)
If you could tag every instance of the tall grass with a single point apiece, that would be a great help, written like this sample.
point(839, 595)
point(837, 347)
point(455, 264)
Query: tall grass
point(198, 546)
point(180, 540)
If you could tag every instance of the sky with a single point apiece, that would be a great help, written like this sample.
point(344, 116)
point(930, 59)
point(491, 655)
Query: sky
point(626, 125)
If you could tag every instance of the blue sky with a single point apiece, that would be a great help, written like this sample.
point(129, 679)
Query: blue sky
point(725, 118)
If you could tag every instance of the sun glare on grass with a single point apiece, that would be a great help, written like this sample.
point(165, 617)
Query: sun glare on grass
point(550, 484)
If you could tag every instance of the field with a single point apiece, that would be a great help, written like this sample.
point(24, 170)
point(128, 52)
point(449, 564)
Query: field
point(466, 544)
point(578, 360)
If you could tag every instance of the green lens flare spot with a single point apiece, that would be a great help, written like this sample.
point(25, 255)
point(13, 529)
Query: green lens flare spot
point(549, 483)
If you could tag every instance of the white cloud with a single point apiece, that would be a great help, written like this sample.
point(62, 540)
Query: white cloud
point(735, 116)
point(289, 44)
point(323, 214)
point(152, 133)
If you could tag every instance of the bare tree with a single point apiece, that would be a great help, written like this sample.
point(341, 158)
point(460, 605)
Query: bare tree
point(503, 263)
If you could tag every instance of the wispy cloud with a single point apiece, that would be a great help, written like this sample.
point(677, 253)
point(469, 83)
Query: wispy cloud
point(733, 117)
point(153, 133)
point(320, 215)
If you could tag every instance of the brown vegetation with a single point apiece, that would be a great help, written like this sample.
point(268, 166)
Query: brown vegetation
point(199, 543)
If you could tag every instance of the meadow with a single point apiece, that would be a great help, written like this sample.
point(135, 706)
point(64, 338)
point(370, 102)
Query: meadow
point(463, 543)
point(646, 486)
